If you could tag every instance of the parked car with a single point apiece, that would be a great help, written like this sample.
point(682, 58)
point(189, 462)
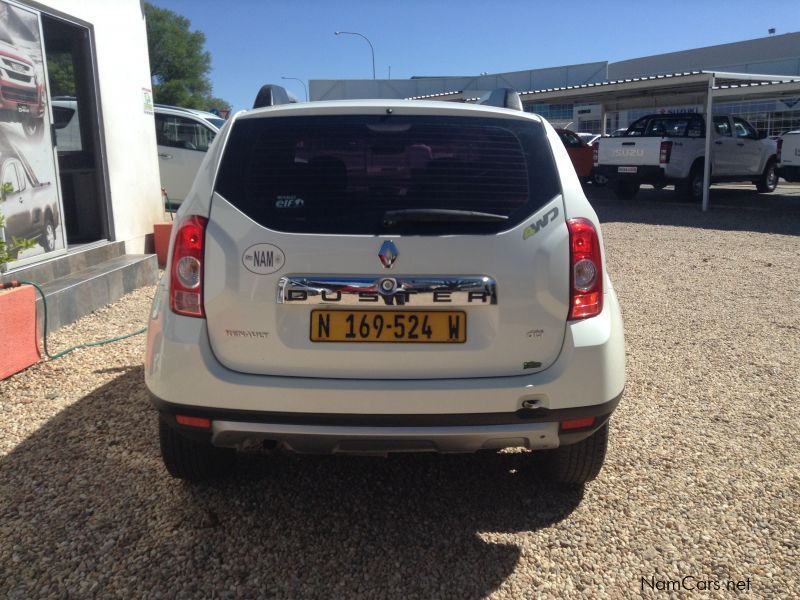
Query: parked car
point(454, 299)
point(21, 92)
point(664, 149)
point(183, 136)
point(580, 153)
point(588, 138)
point(789, 156)
point(66, 122)
point(30, 207)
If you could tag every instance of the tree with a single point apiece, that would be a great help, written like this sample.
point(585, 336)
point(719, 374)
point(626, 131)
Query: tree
point(61, 74)
point(179, 64)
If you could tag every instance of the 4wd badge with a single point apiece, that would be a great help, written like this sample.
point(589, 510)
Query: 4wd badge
point(263, 259)
point(388, 254)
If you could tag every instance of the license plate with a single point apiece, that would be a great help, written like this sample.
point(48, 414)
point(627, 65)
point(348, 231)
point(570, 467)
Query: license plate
point(23, 108)
point(627, 169)
point(389, 326)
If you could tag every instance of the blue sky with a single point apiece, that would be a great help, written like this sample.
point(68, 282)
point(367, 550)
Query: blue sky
point(255, 42)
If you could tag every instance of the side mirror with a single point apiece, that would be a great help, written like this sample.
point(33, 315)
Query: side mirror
point(762, 135)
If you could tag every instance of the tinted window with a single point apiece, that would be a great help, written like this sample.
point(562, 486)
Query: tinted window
point(180, 132)
point(341, 174)
point(744, 129)
point(722, 126)
point(62, 116)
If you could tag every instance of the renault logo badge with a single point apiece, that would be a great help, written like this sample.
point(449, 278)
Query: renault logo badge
point(388, 254)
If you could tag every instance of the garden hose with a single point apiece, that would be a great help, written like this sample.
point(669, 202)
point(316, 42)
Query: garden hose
point(17, 283)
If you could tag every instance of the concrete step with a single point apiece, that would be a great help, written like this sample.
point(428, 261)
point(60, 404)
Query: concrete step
point(73, 261)
point(83, 291)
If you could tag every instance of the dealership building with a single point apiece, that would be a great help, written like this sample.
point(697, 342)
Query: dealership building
point(89, 205)
point(777, 55)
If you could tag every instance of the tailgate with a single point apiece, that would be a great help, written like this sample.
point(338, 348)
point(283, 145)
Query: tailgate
point(629, 151)
point(514, 315)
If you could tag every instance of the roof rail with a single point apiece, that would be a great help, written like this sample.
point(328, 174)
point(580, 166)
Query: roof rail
point(502, 98)
point(271, 95)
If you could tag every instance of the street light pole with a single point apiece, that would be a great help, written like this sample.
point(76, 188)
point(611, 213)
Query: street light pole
point(366, 38)
point(305, 89)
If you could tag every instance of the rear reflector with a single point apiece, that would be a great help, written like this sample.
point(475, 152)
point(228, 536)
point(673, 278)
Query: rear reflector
point(581, 423)
point(200, 422)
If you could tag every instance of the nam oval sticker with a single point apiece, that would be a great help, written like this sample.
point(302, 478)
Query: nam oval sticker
point(263, 259)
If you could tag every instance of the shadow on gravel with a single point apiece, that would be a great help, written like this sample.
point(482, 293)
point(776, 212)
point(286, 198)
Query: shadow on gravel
point(730, 209)
point(86, 502)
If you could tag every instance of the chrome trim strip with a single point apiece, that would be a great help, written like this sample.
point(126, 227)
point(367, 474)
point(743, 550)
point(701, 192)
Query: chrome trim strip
point(427, 291)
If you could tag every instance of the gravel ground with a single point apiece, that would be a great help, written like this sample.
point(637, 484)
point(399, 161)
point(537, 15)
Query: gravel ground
point(702, 477)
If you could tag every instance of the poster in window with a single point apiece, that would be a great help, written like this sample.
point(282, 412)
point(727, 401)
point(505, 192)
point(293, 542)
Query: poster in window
point(29, 197)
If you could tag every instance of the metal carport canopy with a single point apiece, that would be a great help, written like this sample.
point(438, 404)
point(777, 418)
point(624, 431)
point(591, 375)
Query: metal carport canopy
point(656, 91)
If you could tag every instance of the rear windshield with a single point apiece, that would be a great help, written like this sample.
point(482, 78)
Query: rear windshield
point(341, 174)
point(672, 126)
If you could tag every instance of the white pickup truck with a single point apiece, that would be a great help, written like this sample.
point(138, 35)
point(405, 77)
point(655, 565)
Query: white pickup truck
point(789, 156)
point(670, 149)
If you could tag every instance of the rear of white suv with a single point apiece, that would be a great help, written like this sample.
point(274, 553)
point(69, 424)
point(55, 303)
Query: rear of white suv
point(386, 276)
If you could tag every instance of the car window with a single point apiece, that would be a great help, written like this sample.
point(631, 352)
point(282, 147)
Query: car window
point(180, 132)
point(569, 139)
point(722, 126)
point(11, 180)
point(744, 129)
point(637, 129)
point(340, 174)
point(62, 116)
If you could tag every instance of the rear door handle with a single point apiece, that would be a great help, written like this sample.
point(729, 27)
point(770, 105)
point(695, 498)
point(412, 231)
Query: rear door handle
point(718, 143)
point(740, 143)
point(164, 156)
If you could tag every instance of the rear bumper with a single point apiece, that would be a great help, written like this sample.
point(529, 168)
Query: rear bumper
point(644, 173)
point(537, 428)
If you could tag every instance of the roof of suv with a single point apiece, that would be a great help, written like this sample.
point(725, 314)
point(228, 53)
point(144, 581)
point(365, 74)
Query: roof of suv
point(209, 117)
point(416, 106)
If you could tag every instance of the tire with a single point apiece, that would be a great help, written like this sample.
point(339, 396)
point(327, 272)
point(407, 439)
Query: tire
point(627, 190)
point(692, 186)
point(48, 238)
point(579, 463)
point(599, 179)
point(769, 179)
point(33, 128)
point(192, 460)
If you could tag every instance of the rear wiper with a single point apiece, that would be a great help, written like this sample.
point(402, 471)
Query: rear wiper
point(438, 215)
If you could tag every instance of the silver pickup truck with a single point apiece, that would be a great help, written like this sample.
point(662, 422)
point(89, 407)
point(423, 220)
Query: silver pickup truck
point(30, 207)
point(670, 149)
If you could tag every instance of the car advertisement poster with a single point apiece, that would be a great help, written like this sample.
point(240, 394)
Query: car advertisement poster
point(29, 196)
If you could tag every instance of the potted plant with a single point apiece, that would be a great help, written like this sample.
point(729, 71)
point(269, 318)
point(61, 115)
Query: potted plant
point(19, 344)
point(163, 231)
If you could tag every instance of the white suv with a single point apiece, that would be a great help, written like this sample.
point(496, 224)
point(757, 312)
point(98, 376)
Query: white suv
point(386, 276)
point(183, 136)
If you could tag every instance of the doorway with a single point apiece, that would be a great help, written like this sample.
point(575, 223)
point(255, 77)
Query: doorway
point(76, 130)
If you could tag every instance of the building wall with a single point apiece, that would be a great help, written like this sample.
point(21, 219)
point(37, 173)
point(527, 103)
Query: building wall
point(773, 55)
point(321, 89)
point(123, 70)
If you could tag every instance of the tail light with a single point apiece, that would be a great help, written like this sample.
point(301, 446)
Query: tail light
point(586, 273)
point(595, 152)
point(780, 147)
point(665, 153)
point(186, 274)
